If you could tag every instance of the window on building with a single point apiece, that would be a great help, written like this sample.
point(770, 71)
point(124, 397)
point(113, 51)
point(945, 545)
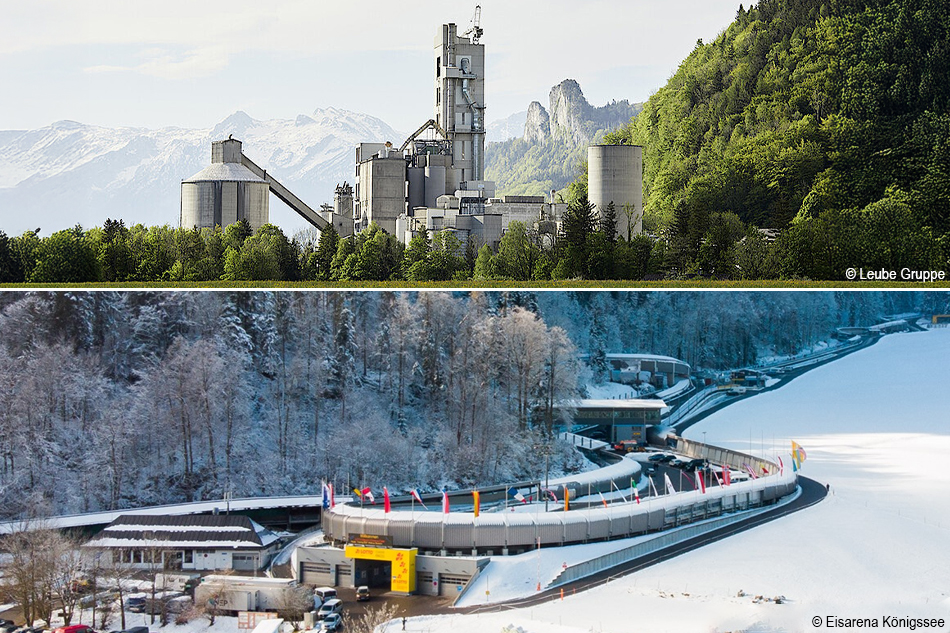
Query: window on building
point(438, 66)
point(189, 556)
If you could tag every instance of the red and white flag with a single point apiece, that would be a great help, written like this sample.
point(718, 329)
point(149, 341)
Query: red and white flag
point(750, 471)
point(415, 495)
point(386, 506)
point(602, 500)
point(781, 465)
point(701, 481)
point(636, 493)
point(727, 475)
point(670, 490)
point(445, 502)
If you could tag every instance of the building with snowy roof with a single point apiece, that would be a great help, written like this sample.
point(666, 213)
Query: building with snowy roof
point(191, 542)
point(615, 420)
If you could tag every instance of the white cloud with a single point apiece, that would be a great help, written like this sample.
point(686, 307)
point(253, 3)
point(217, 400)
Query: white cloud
point(165, 65)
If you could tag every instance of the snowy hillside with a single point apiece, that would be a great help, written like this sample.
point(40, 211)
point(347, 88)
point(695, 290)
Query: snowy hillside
point(875, 427)
point(69, 173)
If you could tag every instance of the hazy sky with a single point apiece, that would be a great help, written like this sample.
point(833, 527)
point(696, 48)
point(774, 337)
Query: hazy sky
point(190, 64)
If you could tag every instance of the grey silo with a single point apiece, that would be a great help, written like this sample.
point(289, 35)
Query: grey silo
point(225, 192)
point(615, 174)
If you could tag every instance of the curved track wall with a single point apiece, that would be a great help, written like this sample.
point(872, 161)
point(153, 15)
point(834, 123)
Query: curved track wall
point(513, 532)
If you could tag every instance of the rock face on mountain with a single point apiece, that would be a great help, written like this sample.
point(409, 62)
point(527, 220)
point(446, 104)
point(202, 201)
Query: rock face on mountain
point(571, 118)
point(69, 173)
point(537, 126)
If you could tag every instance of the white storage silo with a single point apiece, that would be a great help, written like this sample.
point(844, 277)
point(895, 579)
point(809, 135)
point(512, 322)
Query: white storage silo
point(615, 174)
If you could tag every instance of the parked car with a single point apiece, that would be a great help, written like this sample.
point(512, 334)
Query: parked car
point(322, 594)
point(362, 593)
point(74, 628)
point(677, 463)
point(693, 464)
point(658, 457)
point(333, 622)
point(136, 602)
point(333, 605)
point(651, 470)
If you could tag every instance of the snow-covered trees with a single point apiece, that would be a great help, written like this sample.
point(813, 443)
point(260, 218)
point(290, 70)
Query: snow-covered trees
point(118, 399)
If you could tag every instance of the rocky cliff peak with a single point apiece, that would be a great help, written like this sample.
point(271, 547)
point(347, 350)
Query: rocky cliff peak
point(570, 111)
point(537, 126)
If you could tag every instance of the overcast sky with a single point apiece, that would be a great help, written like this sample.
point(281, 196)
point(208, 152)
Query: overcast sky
point(192, 63)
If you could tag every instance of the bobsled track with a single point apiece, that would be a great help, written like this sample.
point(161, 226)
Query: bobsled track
point(507, 532)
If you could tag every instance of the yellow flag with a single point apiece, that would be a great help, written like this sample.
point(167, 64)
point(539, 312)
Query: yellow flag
point(475, 496)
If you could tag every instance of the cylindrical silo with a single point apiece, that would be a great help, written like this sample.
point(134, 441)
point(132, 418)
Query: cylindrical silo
point(615, 174)
point(435, 184)
point(417, 187)
point(225, 192)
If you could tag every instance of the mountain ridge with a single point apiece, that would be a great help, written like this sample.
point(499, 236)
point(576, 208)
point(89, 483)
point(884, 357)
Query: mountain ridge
point(69, 172)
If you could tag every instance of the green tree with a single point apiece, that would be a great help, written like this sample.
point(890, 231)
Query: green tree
point(518, 253)
point(10, 269)
point(65, 257)
point(322, 260)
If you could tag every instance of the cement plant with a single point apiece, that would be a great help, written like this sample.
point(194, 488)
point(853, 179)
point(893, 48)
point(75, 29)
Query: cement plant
point(434, 181)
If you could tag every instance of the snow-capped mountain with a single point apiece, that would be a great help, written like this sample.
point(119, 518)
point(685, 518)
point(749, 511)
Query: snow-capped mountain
point(69, 173)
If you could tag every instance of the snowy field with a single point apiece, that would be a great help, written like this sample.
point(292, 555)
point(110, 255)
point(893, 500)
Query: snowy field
point(876, 427)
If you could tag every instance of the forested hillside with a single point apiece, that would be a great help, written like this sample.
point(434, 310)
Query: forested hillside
point(829, 119)
point(113, 400)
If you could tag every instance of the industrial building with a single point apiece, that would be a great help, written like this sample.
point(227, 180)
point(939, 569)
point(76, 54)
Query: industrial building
point(234, 188)
point(437, 184)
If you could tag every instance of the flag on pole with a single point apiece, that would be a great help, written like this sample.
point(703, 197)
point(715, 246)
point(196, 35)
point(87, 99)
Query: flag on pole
point(445, 502)
point(365, 493)
point(781, 465)
point(750, 471)
point(386, 506)
point(727, 476)
point(718, 478)
point(670, 490)
point(798, 456)
point(327, 497)
point(517, 496)
point(636, 493)
point(653, 485)
point(701, 481)
point(477, 505)
point(602, 500)
point(415, 495)
point(567, 498)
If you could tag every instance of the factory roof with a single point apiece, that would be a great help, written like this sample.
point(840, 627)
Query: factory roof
point(225, 171)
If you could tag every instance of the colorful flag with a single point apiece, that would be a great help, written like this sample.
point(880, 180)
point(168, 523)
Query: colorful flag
point(332, 498)
point(567, 498)
point(327, 497)
point(701, 481)
point(602, 500)
point(670, 490)
point(477, 505)
point(415, 495)
point(636, 493)
point(798, 456)
point(781, 465)
point(445, 502)
point(386, 506)
point(750, 471)
point(365, 493)
point(718, 478)
point(514, 494)
point(727, 475)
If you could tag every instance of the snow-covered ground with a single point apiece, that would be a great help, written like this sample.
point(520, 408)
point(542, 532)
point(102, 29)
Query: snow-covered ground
point(876, 427)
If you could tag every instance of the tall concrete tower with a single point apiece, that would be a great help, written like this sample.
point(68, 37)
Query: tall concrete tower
point(615, 174)
point(460, 96)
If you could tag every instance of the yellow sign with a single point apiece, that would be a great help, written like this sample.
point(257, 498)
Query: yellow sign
point(403, 564)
